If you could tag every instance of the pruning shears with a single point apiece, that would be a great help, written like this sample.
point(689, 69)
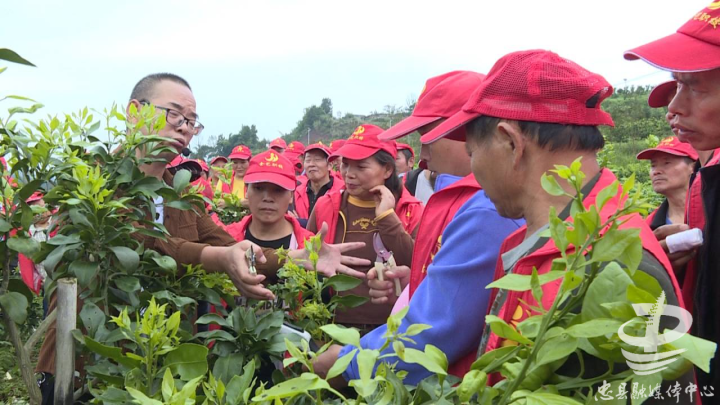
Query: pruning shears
point(250, 256)
point(383, 260)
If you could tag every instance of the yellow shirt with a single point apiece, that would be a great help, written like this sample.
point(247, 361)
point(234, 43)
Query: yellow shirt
point(239, 188)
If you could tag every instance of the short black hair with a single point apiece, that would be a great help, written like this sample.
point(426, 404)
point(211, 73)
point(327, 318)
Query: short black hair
point(393, 182)
point(547, 135)
point(407, 154)
point(143, 90)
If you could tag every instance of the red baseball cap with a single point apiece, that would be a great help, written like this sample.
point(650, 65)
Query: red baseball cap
point(672, 146)
point(240, 152)
point(404, 146)
point(216, 158)
point(36, 196)
point(662, 94)
point(271, 167)
point(203, 165)
point(319, 146)
point(537, 86)
point(363, 143)
point(181, 161)
point(336, 144)
point(296, 147)
point(278, 143)
point(442, 97)
point(695, 47)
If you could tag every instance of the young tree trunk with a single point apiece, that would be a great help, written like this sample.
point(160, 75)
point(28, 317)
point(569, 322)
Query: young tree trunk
point(64, 343)
point(26, 367)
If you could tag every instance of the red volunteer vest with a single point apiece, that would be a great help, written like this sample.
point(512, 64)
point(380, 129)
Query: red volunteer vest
point(439, 211)
point(302, 202)
point(515, 308)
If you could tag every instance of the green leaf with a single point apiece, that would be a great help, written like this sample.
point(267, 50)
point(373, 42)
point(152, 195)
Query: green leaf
point(536, 289)
point(530, 326)
point(349, 301)
point(342, 282)
point(550, 185)
point(52, 260)
point(293, 387)
point(147, 185)
point(416, 329)
point(426, 359)
point(606, 194)
point(84, 271)
point(697, 350)
point(92, 317)
point(227, 367)
point(216, 334)
point(141, 398)
point(341, 365)
point(473, 383)
point(24, 245)
point(366, 360)
point(181, 180)
point(15, 306)
point(11, 56)
point(610, 285)
point(341, 334)
point(4, 226)
point(168, 385)
point(503, 330)
point(594, 328)
point(647, 283)
point(128, 258)
point(549, 399)
point(517, 282)
point(239, 383)
point(213, 319)
point(113, 353)
point(189, 360)
point(614, 243)
point(638, 295)
point(79, 218)
point(59, 240)
point(127, 284)
point(180, 205)
point(556, 348)
point(166, 263)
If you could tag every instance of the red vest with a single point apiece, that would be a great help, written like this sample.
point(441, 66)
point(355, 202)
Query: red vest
point(695, 218)
point(439, 211)
point(302, 202)
point(237, 230)
point(327, 209)
point(515, 309)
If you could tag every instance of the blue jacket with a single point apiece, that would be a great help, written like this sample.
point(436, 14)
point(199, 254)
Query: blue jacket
point(452, 298)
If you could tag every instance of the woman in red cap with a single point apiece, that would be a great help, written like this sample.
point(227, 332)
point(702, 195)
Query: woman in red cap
point(373, 202)
point(671, 165)
point(216, 164)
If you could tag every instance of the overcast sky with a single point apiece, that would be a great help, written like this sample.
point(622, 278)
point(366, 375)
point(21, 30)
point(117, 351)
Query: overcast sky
point(262, 62)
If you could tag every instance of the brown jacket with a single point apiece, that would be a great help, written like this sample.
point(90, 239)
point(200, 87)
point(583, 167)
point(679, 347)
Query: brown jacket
point(189, 231)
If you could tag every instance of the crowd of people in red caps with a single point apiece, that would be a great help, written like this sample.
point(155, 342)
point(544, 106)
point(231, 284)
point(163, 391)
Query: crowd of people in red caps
point(470, 208)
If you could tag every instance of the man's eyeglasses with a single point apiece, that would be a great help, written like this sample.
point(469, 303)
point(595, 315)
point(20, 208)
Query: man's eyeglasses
point(176, 119)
